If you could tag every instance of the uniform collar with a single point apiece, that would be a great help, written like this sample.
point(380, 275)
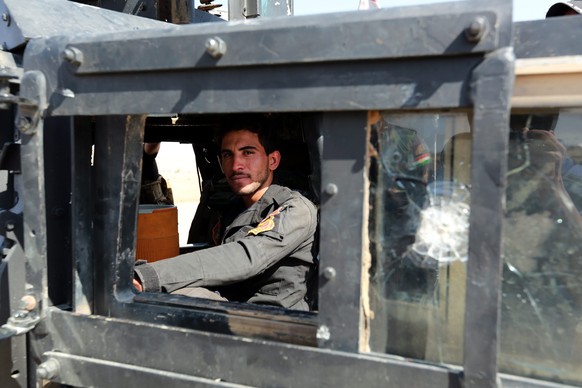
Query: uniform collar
point(270, 201)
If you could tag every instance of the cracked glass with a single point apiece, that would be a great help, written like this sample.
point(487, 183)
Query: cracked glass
point(420, 192)
point(541, 330)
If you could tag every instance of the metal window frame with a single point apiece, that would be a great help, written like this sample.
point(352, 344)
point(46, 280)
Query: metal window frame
point(492, 86)
point(67, 76)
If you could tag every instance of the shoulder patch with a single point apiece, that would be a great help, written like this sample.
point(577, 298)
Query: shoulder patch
point(268, 223)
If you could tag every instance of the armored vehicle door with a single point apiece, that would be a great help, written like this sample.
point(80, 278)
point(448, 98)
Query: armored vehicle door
point(438, 203)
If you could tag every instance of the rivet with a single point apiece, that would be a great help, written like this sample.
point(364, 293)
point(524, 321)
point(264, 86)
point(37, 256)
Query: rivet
point(329, 273)
point(73, 55)
point(331, 189)
point(215, 47)
point(48, 370)
point(477, 29)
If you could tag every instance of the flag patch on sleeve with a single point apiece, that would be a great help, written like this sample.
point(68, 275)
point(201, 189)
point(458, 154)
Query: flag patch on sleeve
point(268, 223)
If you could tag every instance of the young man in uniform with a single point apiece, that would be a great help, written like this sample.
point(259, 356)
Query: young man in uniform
point(268, 248)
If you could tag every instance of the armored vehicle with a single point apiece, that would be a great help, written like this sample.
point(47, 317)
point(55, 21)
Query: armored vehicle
point(440, 143)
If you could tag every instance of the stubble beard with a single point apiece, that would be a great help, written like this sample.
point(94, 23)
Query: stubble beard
point(254, 186)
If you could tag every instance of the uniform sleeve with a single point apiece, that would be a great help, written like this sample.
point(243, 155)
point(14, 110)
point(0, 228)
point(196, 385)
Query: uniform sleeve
point(293, 227)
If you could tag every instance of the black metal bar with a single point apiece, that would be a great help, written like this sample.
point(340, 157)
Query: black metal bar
point(13, 359)
point(306, 58)
point(31, 125)
point(84, 371)
point(12, 267)
point(379, 84)
point(342, 209)
point(81, 214)
point(57, 151)
point(227, 358)
point(492, 85)
point(105, 366)
point(34, 200)
point(438, 30)
point(12, 350)
point(240, 319)
point(117, 163)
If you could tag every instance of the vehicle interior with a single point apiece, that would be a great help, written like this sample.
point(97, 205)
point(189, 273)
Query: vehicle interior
point(299, 168)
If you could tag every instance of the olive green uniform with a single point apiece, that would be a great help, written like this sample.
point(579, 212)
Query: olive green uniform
point(267, 255)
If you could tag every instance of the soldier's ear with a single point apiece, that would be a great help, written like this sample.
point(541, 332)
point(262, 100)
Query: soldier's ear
point(274, 160)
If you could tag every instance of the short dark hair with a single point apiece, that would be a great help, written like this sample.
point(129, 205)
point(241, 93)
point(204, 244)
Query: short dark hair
point(264, 126)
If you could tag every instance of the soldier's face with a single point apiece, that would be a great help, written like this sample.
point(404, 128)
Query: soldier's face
point(247, 166)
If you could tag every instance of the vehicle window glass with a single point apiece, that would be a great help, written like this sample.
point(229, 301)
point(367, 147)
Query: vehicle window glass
point(420, 184)
point(541, 331)
point(419, 211)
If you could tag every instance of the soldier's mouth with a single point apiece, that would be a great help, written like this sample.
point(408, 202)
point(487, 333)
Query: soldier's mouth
point(239, 176)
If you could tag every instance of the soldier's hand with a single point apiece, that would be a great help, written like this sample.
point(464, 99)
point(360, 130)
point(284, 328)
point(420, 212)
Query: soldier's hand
point(137, 285)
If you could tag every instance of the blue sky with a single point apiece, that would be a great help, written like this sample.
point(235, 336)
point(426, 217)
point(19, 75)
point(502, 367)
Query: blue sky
point(522, 9)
